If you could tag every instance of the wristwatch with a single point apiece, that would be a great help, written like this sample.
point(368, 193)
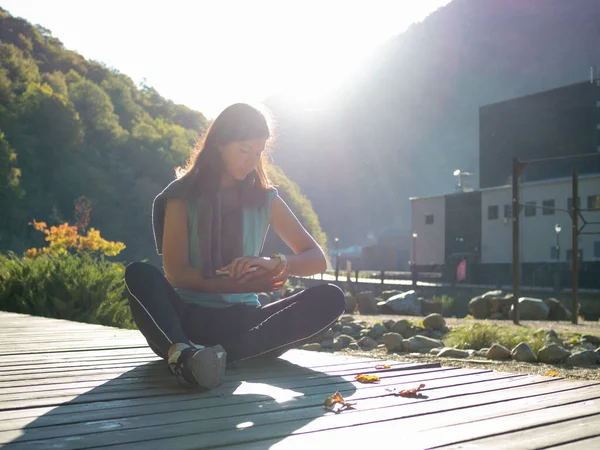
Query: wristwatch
point(281, 257)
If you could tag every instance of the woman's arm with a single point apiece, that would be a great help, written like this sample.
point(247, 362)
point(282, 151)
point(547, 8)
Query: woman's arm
point(176, 260)
point(308, 258)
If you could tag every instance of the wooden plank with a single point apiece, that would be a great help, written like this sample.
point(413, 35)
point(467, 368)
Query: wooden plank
point(312, 401)
point(549, 435)
point(591, 443)
point(218, 432)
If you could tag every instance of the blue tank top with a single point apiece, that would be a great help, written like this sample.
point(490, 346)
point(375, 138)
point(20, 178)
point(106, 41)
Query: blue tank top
point(256, 225)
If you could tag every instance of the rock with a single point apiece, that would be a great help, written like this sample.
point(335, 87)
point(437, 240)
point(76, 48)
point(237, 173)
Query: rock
point(499, 304)
point(350, 304)
point(387, 294)
point(357, 327)
point(531, 309)
point(367, 343)
point(448, 352)
point(264, 298)
point(415, 343)
point(497, 316)
point(595, 340)
point(327, 343)
point(558, 311)
point(345, 339)
point(347, 320)
point(401, 327)
point(328, 335)
point(498, 352)
point(367, 303)
point(389, 324)
point(434, 321)
point(552, 338)
point(523, 352)
point(336, 334)
point(347, 330)
point(406, 303)
point(430, 307)
point(380, 345)
point(437, 334)
point(583, 359)
point(435, 351)
point(315, 347)
point(481, 352)
point(393, 342)
point(353, 346)
point(377, 330)
point(479, 307)
point(552, 353)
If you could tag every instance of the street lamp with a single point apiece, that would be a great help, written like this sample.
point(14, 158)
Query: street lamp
point(414, 259)
point(557, 229)
point(337, 258)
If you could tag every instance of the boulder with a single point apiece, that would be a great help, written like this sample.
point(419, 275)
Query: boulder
point(447, 352)
point(497, 316)
point(481, 352)
point(387, 294)
point(401, 327)
point(500, 304)
point(405, 303)
point(393, 342)
point(348, 330)
point(523, 352)
point(434, 321)
point(558, 311)
point(552, 353)
point(435, 351)
point(327, 343)
point(595, 340)
point(498, 352)
point(552, 338)
point(353, 346)
point(357, 327)
point(328, 334)
point(315, 347)
point(389, 324)
point(430, 307)
point(367, 303)
point(437, 334)
point(531, 309)
point(367, 343)
point(583, 359)
point(350, 304)
point(416, 343)
point(479, 307)
point(347, 320)
point(377, 330)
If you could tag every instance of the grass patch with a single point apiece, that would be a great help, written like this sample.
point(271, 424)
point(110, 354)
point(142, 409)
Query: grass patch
point(447, 303)
point(483, 335)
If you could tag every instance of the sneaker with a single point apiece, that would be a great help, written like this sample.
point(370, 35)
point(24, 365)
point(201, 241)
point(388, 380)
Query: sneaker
point(199, 367)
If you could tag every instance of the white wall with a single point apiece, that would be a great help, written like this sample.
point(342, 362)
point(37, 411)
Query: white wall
point(430, 242)
point(537, 234)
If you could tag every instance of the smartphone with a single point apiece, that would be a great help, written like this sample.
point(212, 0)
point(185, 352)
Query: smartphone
point(226, 272)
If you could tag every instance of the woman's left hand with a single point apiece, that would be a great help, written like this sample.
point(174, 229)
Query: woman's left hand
point(240, 266)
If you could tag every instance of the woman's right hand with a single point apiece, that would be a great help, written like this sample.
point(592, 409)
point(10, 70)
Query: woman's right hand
point(265, 280)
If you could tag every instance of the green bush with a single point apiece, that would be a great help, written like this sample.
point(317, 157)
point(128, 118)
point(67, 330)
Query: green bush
point(483, 335)
point(72, 287)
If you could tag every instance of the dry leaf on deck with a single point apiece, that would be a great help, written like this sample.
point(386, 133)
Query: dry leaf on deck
point(552, 373)
point(383, 366)
point(367, 378)
point(332, 401)
point(406, 392)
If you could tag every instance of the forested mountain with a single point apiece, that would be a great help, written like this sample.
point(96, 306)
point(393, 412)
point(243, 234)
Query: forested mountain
point(72, 127)
point(411, 118)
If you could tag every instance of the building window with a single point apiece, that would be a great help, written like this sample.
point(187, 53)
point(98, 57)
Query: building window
point(429, 219)
point(548, 209)
point(529, 209)
point(593, 202)
point(597, 249)
point(554, 253)
point(492, 212)
point(507, 211)
point(570, 203)
point(570, 255)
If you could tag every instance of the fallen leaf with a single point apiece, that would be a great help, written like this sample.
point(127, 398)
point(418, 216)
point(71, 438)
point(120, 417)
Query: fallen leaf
point(362, 378)
point(406, 392)
point(552, 373)
point(382, 366)
point(336, 399)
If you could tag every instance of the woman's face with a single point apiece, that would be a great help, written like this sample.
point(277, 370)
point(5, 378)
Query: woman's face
point(240, 158)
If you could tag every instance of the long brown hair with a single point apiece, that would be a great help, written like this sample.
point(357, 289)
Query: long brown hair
point(238, 122)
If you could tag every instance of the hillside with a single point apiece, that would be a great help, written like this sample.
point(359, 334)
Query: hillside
point(71, 127)
point(411, 118)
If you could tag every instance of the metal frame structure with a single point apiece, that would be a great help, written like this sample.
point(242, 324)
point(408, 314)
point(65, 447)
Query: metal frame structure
point(575, 213)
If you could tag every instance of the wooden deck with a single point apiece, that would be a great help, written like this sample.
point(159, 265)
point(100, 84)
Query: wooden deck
point(66, 385)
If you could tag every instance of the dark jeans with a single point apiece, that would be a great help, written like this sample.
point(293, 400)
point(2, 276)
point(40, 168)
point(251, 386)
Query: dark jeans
point(244, 331)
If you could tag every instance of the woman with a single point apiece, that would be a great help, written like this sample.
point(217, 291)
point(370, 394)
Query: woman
point(210, 225)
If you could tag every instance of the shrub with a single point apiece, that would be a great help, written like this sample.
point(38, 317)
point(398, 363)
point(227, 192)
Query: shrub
point(483, 335)
point(75, 287)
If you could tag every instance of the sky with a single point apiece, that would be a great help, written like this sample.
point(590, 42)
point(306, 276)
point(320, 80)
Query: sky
point(209, 54)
